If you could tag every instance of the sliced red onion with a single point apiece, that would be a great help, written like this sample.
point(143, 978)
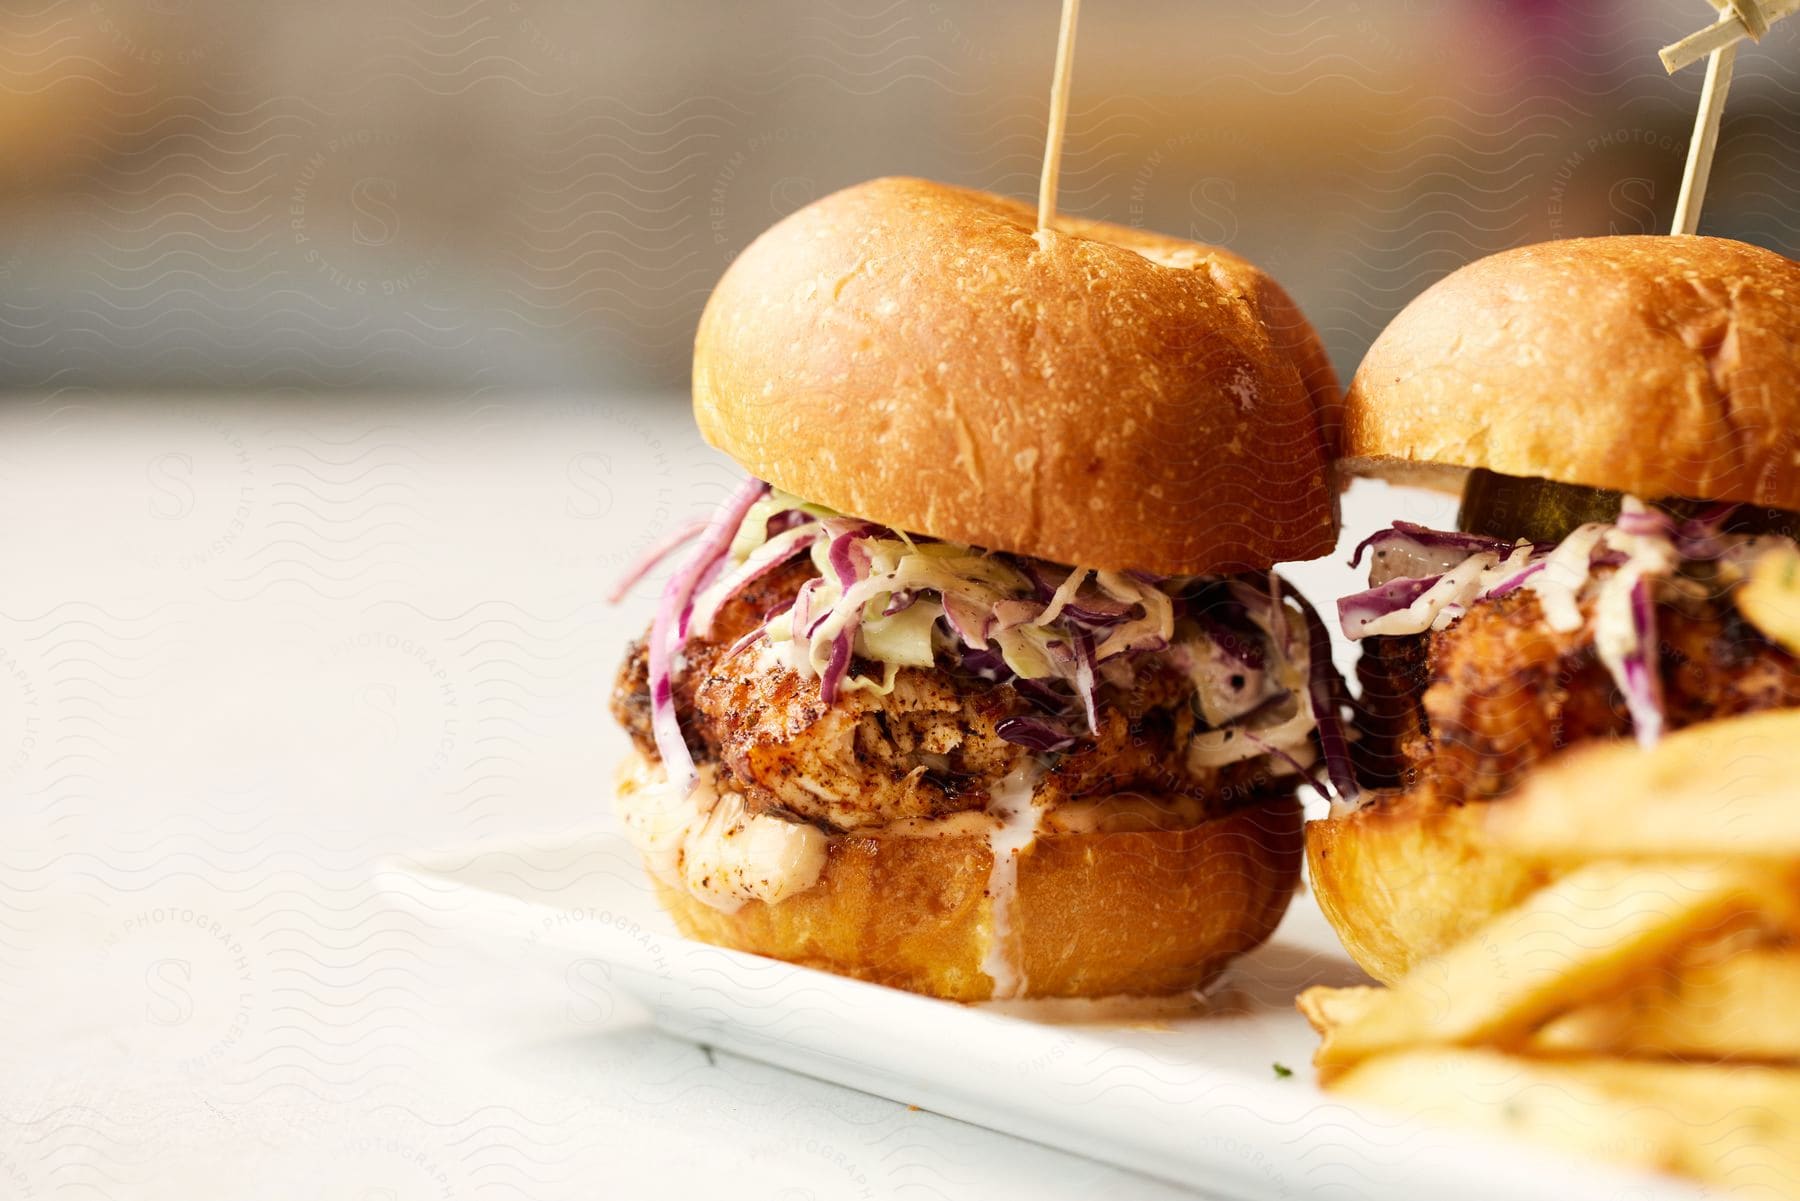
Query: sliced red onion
point(787, 519)
point(1359, 609)
point(1040, 694)
point(1101, 611)
point(848, 559)
point(666, 633)
point(1325, 688)
point(968, 621)
point(804, 617)
point(1010, 614)
point(837, 666)
point(1642, 685)
point(761, 627)
point(1065, 592)
point(1124, 642)
point(1699, 537)
point(988, 665)
point(1084, 679)
point(1510, 583)
point(1034, 572)
point(659, 550)
point(758, 563)
point(1645, 523)
point(1430, 539)
point(1225, 620)
point(900, 601)
point(1035, 734)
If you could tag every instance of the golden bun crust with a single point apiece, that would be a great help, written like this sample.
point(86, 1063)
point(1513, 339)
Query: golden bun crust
point(1660, 366)
point(1097, 914)
point(911, 353)
point(1406, 876)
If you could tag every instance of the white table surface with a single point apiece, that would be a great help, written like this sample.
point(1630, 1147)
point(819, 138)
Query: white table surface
point(248, 649)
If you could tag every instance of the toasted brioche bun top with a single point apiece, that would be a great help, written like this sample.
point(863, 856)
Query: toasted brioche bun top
point(911, 353)
point(1660, 366)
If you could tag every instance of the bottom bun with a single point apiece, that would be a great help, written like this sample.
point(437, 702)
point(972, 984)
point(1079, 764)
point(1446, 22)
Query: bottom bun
point(1094, 914)
point(1405, 876)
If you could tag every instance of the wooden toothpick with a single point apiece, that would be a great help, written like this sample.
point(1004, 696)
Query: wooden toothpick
point(1705, 139)
point(1718, 43)
point(1059, 115)
point(1730, 28)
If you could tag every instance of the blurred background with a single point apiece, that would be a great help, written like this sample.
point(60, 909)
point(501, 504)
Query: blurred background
point(523, 195)
point(344, 345)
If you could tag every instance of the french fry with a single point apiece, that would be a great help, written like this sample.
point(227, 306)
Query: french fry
point(1770, 598)
point(1741, 1007)
point(1503, 1094)
point(1591, 931)
point(1325, 1009)
point(1732, 1125)
point(1737, 1008)
point(1328, 1009)
point(1728, 787)
point(1735, 1125)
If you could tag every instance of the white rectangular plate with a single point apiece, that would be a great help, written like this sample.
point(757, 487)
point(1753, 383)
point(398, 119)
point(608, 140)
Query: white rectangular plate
point(1188, 1094)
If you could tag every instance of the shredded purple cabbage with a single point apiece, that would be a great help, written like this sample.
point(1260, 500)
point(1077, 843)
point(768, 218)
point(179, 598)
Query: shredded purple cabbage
point(1642, 685)
point(670, 627)
point(1089, 633)
point(1513, 582)
point(1404, 532)
point(1036, 734)
point(1358, 609)
point(1693, 539)
point(1326, 691)
point(834, 672)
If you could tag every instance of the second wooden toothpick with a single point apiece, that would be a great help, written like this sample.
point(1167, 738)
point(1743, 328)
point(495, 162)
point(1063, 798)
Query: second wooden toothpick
point(1059, 116)
point(1705, 140)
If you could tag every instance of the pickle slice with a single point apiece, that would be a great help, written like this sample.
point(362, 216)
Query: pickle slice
point(1760, 519)
point(1509, 506)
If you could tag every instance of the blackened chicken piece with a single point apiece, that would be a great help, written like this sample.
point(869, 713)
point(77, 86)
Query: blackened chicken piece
point(1474, 706)
point(745, 611)
point(929, 748)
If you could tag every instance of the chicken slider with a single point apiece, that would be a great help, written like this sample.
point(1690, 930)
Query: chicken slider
point(1621, 417)
point(981, 685)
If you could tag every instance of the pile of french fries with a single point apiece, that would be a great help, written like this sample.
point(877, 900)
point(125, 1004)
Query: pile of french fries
point(1643, 1007)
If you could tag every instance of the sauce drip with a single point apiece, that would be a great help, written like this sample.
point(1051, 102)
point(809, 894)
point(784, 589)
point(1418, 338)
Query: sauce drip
point(1017, 817)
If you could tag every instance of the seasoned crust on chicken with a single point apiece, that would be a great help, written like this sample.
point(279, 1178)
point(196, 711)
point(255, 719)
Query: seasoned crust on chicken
point(1470, 708)
point(929, 748)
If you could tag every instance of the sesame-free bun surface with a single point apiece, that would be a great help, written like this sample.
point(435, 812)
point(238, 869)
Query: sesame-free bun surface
point(1406, 876)
point(1143, 912)
point(1659, 366)
point(911, 353)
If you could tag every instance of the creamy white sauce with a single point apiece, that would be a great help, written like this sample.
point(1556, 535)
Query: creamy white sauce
point(1393, 562)
point(1290, 734)
point(705, 843)
point(1118, 813)
point(1449, 598)
point(1225, 687)
point(1565, 573)
point(1015, 818)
